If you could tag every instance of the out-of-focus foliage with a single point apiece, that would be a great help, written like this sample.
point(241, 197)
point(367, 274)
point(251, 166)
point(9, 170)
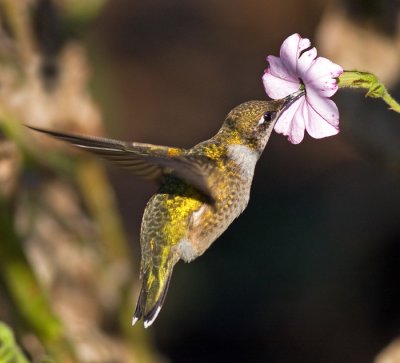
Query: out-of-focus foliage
point(9, 350)
point(309, 273)
point(65, 267)
point(80, 12)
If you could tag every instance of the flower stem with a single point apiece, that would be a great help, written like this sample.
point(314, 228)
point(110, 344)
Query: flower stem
point(368, 81)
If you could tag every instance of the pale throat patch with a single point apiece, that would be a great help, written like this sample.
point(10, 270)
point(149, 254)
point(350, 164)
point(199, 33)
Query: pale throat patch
point(244, 157)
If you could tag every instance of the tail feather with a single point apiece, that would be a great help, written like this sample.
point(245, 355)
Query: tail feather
point(138, 311)
point(148, 309)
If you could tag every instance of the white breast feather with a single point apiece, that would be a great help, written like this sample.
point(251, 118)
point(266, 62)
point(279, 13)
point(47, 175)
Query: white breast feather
point(244, 157)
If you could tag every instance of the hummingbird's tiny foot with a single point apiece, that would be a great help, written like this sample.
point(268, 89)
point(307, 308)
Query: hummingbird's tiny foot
point(134, 320)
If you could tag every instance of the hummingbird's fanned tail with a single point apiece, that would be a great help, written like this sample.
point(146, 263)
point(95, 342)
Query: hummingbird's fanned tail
point(151, 299)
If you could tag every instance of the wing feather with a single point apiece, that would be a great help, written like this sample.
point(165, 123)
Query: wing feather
point(148, 161)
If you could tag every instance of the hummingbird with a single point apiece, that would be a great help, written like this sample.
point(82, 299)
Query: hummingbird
point(202, 190)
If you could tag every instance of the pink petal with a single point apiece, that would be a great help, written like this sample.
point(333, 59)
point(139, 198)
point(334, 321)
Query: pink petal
point(277, 87)
point(324, 87)
point(315, 112)
point(323, 67)
point(305, 61)
point(317, 126)
point(297, 126)
point(325, 107)
point(277, 69)
point(290, 50)
point(282, 125)
point(321, 77)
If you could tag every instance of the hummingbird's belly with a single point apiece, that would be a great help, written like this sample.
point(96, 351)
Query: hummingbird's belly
point(179, 223)
point(216, 219)
point(167, 221)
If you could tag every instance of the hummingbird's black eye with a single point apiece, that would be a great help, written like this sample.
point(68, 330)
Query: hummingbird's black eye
point(269, 116)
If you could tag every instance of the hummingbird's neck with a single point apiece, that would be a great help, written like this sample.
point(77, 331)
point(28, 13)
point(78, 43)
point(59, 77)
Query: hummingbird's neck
point(229, 137)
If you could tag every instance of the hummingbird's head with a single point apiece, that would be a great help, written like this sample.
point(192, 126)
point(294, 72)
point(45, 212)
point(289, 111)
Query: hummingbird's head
point(251, 123)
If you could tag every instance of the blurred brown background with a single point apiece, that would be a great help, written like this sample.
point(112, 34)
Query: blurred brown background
point(310, 272)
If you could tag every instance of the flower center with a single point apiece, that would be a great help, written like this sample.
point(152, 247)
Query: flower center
point(302, 86)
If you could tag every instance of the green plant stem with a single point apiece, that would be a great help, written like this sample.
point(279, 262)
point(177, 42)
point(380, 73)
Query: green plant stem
point(368, 81)
point(99, 197)
point(25, 290)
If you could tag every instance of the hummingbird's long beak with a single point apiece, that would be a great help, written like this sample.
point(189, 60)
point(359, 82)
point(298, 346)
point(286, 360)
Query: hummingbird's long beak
point(289, 100)
point(286, 102)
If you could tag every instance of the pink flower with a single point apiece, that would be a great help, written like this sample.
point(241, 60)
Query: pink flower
point(297, 67)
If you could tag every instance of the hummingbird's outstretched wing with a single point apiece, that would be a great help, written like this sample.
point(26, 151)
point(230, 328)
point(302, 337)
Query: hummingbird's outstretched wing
point(148, 161)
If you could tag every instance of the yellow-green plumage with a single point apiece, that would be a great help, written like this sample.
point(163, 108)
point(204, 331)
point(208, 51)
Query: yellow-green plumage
point(164, 225)
point(180, 223)
point(202, 190)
